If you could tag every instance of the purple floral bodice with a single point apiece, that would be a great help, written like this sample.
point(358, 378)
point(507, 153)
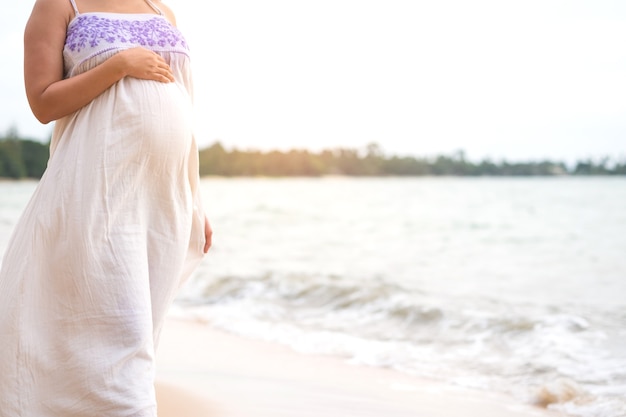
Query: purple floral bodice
point(91, 34)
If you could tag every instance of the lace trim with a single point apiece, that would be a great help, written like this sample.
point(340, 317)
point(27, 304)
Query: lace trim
point(91, 31)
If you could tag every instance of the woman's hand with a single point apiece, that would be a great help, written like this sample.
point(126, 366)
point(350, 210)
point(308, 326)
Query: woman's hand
point(144, 64)
point(208, 233)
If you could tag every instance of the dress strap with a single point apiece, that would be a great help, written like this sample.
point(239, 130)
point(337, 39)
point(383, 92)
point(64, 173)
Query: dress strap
point(74, 6)
point(156, 9)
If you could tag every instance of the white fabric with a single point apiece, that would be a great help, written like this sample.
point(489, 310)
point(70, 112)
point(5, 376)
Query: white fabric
point(112, 230)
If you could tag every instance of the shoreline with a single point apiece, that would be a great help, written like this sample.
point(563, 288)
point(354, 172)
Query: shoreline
point(204, 372)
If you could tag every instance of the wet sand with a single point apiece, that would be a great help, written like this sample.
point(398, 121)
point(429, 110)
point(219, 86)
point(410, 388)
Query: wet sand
point(204, 372)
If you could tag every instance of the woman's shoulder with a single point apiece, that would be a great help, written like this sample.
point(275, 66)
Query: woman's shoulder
point(56, 5)
point(167, 11)
point(51, 13)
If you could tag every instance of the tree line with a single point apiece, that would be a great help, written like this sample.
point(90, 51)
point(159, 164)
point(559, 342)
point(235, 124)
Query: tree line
point(216, 160)
point(22, 157)
point(27, 158)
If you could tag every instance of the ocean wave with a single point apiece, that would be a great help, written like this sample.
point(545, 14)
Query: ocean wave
point(303, 298)
point(527, 350)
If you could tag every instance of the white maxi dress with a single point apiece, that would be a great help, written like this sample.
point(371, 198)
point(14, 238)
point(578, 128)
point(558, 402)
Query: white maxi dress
point(113, 228)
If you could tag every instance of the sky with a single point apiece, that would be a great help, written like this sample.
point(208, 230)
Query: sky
point(498, 79)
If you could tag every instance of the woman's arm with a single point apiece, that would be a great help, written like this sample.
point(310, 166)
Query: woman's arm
point(50, 95)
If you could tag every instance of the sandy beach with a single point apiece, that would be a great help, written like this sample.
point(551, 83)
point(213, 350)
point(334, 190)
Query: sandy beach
point(203, 372)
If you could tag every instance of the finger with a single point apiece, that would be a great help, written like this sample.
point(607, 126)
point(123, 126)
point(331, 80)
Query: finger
point(166, 71)
point(163, 74)
point(208, 235)
point(207, 243)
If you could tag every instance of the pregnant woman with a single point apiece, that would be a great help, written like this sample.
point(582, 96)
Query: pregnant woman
point(116, 223)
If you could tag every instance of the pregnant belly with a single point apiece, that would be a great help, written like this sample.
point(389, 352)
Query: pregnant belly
point(126, 151)
point(151, 123)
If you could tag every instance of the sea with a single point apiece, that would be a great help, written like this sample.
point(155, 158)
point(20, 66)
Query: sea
point(503, 284)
